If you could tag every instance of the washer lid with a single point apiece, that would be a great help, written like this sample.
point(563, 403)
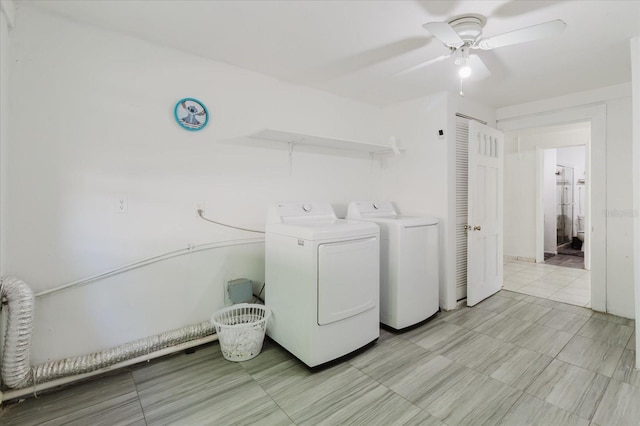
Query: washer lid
point(294, 212)
point(405, 221)
point(323, 229)
point(384, 212)
point(364, 209)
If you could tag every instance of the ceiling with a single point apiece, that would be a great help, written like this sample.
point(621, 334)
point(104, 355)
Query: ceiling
point(353, 48)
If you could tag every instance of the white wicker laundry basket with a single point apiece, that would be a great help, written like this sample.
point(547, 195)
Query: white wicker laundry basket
point(241, 330)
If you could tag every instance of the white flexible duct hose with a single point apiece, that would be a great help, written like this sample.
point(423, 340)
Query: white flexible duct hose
point(95, 361)
point(16, 367)
point(17, 372)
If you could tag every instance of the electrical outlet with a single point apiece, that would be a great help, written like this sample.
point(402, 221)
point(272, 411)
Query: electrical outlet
point(198, 205)
point(121, 205)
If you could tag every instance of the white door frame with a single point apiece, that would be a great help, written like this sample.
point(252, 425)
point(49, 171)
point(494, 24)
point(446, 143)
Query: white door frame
point(597, 224)
point(540, 203)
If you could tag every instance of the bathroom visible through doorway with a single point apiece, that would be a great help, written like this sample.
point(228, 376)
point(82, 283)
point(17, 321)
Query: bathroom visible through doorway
point(565, 208)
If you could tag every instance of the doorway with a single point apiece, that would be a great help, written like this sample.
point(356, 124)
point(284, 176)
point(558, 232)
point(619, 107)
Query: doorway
point(596, 240)
point(546, 187)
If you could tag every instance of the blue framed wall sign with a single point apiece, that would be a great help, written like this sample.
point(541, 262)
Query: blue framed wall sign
point(191, 114)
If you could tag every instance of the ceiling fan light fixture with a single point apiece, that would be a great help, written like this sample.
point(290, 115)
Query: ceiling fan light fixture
point(461, 55)
point(464, 34)
point(464, 71)
point(468, 27)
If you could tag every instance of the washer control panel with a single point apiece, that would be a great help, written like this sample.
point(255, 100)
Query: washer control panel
point(287, 212)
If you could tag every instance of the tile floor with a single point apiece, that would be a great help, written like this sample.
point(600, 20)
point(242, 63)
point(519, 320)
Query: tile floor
point(513, 359)
point(565, 260)
point(561, 284)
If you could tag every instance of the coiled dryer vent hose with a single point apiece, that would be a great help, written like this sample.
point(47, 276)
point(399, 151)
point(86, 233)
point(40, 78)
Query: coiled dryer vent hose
point(16, 366)
point(17, 373)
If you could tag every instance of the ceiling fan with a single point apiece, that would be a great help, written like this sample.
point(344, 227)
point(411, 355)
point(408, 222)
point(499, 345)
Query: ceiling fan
point(464, 33)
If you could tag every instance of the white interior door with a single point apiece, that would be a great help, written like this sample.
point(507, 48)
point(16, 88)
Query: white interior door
point(484, 225)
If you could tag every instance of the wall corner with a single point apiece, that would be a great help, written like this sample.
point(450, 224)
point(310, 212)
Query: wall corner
point(635, 73)
point(8, 9)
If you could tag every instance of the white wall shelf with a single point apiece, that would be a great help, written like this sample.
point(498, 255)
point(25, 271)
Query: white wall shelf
point(288, 139)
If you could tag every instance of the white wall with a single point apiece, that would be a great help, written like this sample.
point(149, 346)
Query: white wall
point(417, 180)
point(619, 195)
point(92, 120)
point(104, 129)
point(635, 68)
point(422, 181)
point(7, 20)
point(612, 247)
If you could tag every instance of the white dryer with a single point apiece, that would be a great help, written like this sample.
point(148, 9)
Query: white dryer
point(322, 281)
point(409, 280)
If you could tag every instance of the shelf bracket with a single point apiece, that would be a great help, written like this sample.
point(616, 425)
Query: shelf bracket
point(394, 145)
point(291, 158)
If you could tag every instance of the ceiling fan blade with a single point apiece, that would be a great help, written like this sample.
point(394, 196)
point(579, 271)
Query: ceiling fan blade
point(422, 65)
point(534, 32)
point(479, 70)
point(443, 32)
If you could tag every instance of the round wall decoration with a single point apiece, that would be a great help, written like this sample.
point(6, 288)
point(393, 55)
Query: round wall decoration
point(191, 114)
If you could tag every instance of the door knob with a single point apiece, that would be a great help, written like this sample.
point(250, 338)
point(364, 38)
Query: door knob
point(477, 228)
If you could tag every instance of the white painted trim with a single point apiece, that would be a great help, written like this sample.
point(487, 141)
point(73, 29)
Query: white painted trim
point(539, 204)
point(449, 291)
point(8, 9)
point(596, 220)
point(587, 206)
point(581, 99)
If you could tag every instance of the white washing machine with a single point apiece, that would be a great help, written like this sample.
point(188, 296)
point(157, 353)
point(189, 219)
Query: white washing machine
point(322, 281)
point(409, 280)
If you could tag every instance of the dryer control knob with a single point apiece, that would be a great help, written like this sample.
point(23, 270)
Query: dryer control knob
point(306, 207)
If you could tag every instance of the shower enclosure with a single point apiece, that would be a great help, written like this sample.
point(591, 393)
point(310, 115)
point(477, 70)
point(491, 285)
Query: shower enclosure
point(564, 197)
